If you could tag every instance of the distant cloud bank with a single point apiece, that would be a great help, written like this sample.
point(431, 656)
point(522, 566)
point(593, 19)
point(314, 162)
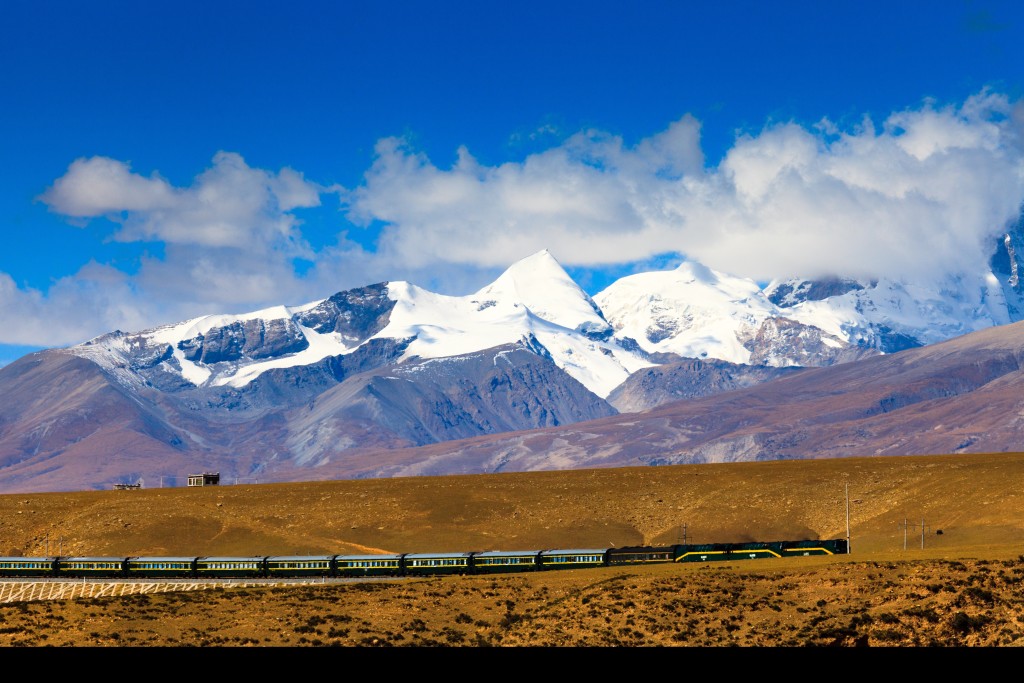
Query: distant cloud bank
point(922, 193)
point(926, 192)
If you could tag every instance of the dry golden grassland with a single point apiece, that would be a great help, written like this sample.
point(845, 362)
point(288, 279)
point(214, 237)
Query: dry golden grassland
point(962, 588)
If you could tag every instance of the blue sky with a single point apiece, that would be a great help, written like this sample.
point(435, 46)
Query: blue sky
point(163, 161)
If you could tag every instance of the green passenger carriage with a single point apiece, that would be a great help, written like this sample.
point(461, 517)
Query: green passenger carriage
point(28, 566)
point(230, 567)
point(505, 561)
point(156, 567)
point(368, 565)
point(300, 565)
point(572, 558)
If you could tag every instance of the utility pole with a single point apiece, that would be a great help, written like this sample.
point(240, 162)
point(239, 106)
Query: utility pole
point(683, 530)
point(922, 533)
point(847, 518)
point(904, 533)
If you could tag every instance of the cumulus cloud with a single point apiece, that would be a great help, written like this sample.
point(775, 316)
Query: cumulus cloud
point(926, 192)
point(76, 307)
point(228, 205)
point(97, 186)
point(227, 242)
point(922, 192)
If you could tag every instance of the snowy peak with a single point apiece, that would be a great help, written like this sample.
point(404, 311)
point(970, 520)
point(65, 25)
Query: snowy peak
point(534, 300)
point(541, 284)
point(692, 311)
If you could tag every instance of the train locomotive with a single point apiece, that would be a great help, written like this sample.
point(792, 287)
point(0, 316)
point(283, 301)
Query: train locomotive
point(402, 564)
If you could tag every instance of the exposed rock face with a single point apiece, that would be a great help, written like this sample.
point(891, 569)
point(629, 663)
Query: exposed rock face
point(249, 340)
point(688, 379)
point(792, 292)
point(1007, 264)
point(785, 342)
point(428, 401)
point(356, 314)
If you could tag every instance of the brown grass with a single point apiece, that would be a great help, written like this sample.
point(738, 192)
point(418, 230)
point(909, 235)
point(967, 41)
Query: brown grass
point(962, 589)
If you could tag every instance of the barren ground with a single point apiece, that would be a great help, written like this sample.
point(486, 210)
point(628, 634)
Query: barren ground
point(963, 588)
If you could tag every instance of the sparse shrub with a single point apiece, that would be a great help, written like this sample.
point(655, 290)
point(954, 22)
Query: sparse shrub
point(926, 613)
point(964, 623)
point(887, 636)
point(864, 618)
point(454, 636)
point(416, 626)
point(979, 593)
point(509, 619)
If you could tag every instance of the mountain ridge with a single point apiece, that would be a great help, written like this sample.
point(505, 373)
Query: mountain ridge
point(393, 380)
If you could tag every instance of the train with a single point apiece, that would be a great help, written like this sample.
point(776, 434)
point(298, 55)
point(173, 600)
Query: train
point(401, 564)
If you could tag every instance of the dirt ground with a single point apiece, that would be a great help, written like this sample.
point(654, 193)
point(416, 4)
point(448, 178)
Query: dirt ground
point(900, 587)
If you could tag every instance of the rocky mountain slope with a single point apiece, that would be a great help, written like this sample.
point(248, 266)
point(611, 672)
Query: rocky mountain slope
point(959, 396)
point(391, 379)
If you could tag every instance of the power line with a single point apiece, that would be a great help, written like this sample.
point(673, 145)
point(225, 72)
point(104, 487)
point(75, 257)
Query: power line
point(906, 525)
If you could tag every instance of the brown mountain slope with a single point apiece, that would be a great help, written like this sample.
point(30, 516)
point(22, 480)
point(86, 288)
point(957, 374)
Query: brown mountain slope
point(964, 395)
point(57, 416)
point(960, 396)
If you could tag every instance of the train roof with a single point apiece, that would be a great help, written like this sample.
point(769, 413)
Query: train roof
point(298, 558)
point(505, 553)
point(157, 558)
point(27, 559)
point(575, 551)
point(90, 558)
point(392, 556)
point(226, 558)
point(435, 556)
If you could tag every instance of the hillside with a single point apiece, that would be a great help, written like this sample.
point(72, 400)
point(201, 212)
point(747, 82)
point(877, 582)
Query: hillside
point(960, 588)
point(973, 499)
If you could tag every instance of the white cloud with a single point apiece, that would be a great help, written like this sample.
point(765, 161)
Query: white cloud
point(97, 186)
point(78, 307)
point(928, 192)
point(923, 192)
point(228, 205)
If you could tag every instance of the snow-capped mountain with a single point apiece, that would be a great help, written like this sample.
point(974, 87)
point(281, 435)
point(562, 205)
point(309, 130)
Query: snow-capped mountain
point(366, 374)
point(696, 312)
point(534, 301)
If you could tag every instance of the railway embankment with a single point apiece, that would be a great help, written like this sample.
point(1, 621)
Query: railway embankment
point(32, 591)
